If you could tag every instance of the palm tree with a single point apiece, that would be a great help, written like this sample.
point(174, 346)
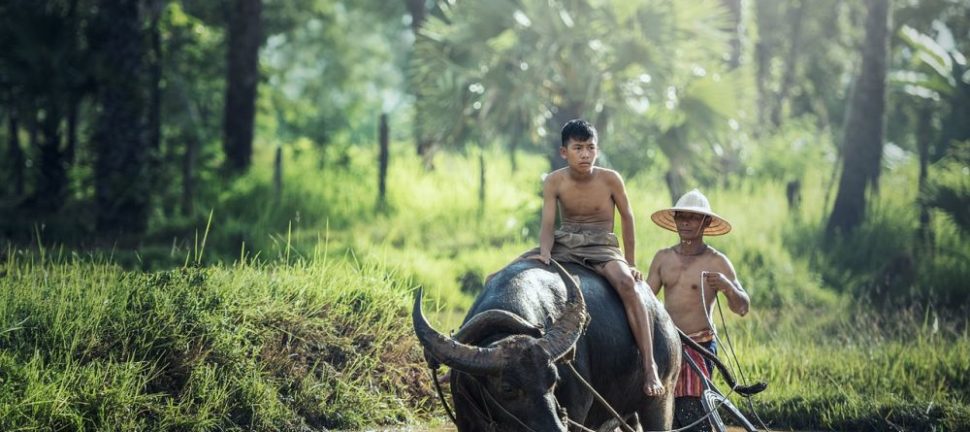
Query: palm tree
point(938, 82)
point(641, 71)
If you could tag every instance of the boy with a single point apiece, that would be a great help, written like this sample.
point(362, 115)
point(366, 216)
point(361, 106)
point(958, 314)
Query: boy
point(693, 273)
point(588, 197)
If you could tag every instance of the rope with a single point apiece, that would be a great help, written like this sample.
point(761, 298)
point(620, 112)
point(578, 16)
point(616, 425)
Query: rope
point(600, 398)
point(623, 424)
point(444, 403)
point(729, 344)
point(737, 363)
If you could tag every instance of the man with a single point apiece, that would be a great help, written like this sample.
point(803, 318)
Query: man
point(693, 273)
point(588, 198)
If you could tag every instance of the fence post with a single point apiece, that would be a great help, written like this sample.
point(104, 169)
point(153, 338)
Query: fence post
point(382, 161)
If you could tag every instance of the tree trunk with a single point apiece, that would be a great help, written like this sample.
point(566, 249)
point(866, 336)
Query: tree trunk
point(383, 138)
point(278, 174)
point(122, 187)
point(862, 140)
point(675, 181)
point(70, 152)
point(734, 11)
point(423, 144)
point(52, 174)
point(791, 63)
point(155, 88)
point(16, 154)
point(764, 51)
point(188, 176)
point(924, 133)
point(481, 181)
point(245, 37)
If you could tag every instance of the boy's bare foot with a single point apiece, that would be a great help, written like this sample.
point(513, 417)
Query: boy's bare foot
point(651, 382)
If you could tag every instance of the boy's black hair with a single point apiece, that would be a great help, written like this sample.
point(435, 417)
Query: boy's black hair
point(579, 130)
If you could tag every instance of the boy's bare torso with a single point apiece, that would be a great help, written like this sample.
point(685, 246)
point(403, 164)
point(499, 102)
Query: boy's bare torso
point(680, 276)
point(586, 201)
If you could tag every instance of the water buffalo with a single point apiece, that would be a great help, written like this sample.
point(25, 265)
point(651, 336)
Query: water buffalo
point(507, 360)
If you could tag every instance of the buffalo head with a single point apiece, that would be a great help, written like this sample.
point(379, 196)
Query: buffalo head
point(504, 368)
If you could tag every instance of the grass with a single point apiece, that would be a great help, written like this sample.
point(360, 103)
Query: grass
point(858, 371)
point(296, 314)
point(89, 346)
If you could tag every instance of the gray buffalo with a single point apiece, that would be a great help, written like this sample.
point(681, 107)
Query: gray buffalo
point(509, 360)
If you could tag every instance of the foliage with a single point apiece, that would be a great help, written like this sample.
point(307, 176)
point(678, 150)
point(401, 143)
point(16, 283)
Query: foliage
point(523, 68)
point(255, 267)
point(950, 191)
point(90, 346)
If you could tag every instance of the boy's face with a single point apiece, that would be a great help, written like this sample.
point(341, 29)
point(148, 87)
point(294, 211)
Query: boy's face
point(580, 155)
point(690, 226)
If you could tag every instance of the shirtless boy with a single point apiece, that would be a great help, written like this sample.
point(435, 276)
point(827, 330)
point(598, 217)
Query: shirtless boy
point(693, 273)
point(588, 197)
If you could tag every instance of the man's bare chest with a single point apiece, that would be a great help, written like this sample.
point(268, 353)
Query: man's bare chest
point(682, 274)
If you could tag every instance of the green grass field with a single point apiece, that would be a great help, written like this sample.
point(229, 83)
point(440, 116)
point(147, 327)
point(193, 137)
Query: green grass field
point(295, 312)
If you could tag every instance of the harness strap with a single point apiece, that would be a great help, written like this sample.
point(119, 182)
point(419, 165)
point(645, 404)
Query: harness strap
point(444, 403)
point(600, 398)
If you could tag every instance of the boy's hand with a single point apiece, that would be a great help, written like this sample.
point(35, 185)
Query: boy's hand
point(716, 280)
point(637, 274)
point(544, 258)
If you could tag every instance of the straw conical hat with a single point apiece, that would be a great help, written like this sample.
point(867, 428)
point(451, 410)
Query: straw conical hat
point(694, 202)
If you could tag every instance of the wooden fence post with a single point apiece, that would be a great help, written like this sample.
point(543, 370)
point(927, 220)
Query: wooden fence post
point(382, 161)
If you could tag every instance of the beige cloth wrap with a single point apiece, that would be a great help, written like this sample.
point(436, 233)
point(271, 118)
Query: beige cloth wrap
point(584, 245)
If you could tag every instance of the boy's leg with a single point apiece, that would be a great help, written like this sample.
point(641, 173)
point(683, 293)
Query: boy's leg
point(641, 324)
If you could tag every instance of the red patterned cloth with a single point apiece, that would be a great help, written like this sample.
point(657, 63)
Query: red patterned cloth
point(689, 383)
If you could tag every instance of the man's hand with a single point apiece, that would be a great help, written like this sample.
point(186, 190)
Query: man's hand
point(544, 258)
point(717, 281)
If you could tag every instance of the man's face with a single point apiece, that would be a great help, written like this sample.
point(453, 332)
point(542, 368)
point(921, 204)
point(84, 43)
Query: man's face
point(580, 155)
point(691, 226)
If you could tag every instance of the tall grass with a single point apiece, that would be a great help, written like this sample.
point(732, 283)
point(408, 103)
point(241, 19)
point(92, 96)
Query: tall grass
point(89, 346)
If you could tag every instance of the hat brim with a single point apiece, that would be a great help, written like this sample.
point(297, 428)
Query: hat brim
point(665, 219)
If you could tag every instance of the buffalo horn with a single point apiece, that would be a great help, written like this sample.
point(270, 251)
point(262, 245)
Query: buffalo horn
point(467, 358)
point(564, 333)
point(495, 322)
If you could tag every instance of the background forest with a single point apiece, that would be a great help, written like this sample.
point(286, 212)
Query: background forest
point(213, 215)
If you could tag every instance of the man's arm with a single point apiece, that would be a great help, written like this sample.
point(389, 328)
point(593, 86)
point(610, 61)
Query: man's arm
point(653, 275)
point(627, 224)
point(547, 234)
point(726, 281)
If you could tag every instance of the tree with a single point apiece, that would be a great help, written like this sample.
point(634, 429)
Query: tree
point(532, 65)
point(418, 11)
point(121, 175)
point(242, 65)
point(863, 138)
point(44, 75)
point(937, 82)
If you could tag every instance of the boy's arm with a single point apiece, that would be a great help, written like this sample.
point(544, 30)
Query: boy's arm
point(727, 282)
point(547, 235)
point(628, 226)
point(653, 274)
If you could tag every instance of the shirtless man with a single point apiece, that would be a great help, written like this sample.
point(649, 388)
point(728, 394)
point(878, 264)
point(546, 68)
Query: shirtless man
point(693, 273)
point(588, 197)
